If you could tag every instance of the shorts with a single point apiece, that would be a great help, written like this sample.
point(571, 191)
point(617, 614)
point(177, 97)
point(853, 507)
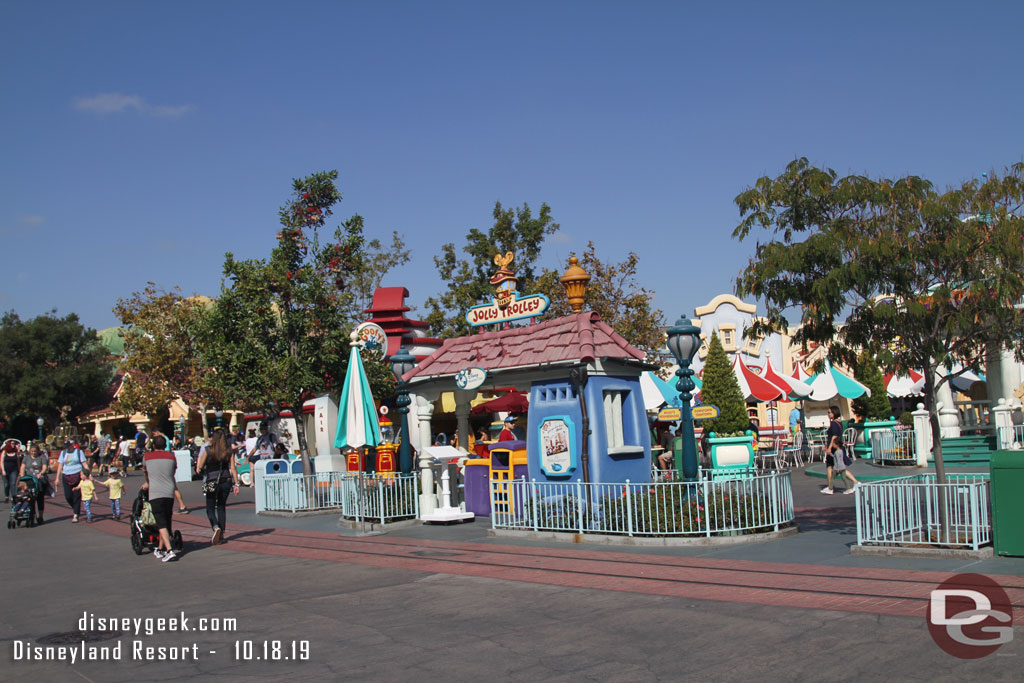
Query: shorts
point(162, 510)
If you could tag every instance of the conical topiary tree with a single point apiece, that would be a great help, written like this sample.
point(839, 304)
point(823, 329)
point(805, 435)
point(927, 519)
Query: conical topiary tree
point(722, 389)
point(876, 406)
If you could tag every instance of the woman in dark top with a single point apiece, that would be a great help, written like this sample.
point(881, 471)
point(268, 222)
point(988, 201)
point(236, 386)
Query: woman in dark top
point(37, 464)
point(9, 466)
point(220, 478)
point(835, 455)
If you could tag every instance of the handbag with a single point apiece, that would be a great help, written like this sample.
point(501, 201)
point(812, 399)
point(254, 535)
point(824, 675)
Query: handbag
point(210, 485)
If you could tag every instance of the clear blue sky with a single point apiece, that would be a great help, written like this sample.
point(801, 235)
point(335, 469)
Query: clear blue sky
point(142, 140)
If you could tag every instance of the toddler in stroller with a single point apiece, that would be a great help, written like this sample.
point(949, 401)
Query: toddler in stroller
point(144, 530)
point(24, 509)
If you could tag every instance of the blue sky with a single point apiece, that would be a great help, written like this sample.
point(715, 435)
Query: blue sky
point(141, 141)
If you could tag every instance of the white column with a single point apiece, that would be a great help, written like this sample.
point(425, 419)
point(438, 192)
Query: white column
point(424, 411)
point(949, 418)
point(922, 435)
point(1004, 423)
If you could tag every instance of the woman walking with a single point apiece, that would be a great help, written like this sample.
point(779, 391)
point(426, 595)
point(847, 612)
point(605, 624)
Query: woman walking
point(9, 465)
point(69, 473)
point(37, 464)
point(220, 478)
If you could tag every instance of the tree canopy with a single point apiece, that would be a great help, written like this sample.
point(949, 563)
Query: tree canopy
point(614, 293)
point(279, 332)
point(921, 278)
point(468, 279)
point(51, 364)
point(163, 357)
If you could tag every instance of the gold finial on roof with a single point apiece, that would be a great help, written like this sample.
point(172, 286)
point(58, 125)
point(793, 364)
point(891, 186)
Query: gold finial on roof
point(575, 281)
point(503, 261)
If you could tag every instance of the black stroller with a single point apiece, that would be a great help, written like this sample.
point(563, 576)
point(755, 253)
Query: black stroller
point(144, 531)
point(23, 510)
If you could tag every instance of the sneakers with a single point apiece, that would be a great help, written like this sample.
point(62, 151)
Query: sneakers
point(74, 519)
point(827, 491)
point(159, 554)
point(182, 511)
point(851, 489)
point(168, 556)
point(218, 533)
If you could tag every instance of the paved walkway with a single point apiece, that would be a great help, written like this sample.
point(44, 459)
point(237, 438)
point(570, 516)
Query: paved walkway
point(452, 603)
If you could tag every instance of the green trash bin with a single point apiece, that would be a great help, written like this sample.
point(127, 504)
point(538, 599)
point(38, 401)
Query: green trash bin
point(1007, 468)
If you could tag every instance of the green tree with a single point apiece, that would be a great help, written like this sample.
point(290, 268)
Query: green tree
point(723, 390)
point(378, 259)
point(278, 333)
point(614, 293)
point(876, 406)
point(924, 278)
point(468, 279)
point(51, 366)
point(163, 355)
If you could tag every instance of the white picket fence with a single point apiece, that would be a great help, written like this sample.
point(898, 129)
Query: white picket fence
point(906, 511)
point(728, 502)
point(359, 496)
point(1011, 436)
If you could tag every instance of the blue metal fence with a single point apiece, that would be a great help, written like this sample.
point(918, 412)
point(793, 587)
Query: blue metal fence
point(731, 502)
point(909, 511)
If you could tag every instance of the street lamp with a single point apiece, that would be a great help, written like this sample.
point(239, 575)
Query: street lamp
point(39, 423)
point(219, 414)
point(683, 342)
point(401, 363)
point(181, 428)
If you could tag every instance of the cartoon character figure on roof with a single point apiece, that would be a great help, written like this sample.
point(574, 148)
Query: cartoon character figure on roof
point(504, 281)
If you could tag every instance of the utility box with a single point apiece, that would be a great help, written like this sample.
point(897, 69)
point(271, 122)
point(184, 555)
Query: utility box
point(1007, 469)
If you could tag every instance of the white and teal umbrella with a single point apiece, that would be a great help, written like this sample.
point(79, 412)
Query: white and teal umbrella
point(829, 383)
point(357, 416)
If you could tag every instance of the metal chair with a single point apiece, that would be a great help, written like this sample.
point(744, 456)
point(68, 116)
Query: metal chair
point(815, 447)
point(850, 440)
point(794, 452)
point(775, 457)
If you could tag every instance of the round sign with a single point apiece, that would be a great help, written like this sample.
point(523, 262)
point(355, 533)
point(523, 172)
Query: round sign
point(374, 341)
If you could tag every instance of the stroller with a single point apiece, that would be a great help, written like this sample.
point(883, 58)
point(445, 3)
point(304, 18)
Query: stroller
point(144, 531)
point(23, 511)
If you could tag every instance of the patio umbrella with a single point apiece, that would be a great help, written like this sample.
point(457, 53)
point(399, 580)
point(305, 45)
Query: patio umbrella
point(796, 389)
point(755, 387)
point(830, 383)
point(357, 415)
point(963, 382)
point(512, 402)
point(904, 385)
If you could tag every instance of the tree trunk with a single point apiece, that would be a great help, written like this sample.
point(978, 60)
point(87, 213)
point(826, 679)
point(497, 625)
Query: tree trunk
point(300, 434)
point(202, 418)
point(931, 395)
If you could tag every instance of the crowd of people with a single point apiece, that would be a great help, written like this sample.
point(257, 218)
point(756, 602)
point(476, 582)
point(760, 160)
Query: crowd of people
point(85, 469)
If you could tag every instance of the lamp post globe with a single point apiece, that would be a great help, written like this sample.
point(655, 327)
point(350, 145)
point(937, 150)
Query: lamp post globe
point(220, 417)
point(683, 342)
point(39, 423)
point(401, 363)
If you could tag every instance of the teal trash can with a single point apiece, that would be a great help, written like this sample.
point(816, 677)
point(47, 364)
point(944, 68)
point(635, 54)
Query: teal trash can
point(1007, 469)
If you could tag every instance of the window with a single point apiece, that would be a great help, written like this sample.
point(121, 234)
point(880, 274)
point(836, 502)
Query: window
point(752, 347)
point(728, 333)
point(613, 418)
point(702, 352)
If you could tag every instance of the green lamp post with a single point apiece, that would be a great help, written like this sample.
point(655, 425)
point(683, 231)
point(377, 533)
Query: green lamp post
point(683, 342)
point(401, 363)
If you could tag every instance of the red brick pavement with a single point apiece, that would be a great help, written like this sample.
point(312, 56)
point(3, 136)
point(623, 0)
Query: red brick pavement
point(848, 589)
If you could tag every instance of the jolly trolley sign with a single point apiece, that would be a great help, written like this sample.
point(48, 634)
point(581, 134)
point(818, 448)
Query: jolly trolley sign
point(507, 304)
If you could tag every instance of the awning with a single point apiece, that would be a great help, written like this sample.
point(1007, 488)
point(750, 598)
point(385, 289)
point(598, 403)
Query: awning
point(904, 385)
point(658, 392)
point(830, 383)
point(755, 387)
point(512, 402)
point(796, 389)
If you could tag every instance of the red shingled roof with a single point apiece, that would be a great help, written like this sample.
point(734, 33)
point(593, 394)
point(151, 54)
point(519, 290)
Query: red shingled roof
point(580, 336)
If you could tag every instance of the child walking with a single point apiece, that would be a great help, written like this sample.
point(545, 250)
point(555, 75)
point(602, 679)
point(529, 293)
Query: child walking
point(116, 488)
point(88, 489)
